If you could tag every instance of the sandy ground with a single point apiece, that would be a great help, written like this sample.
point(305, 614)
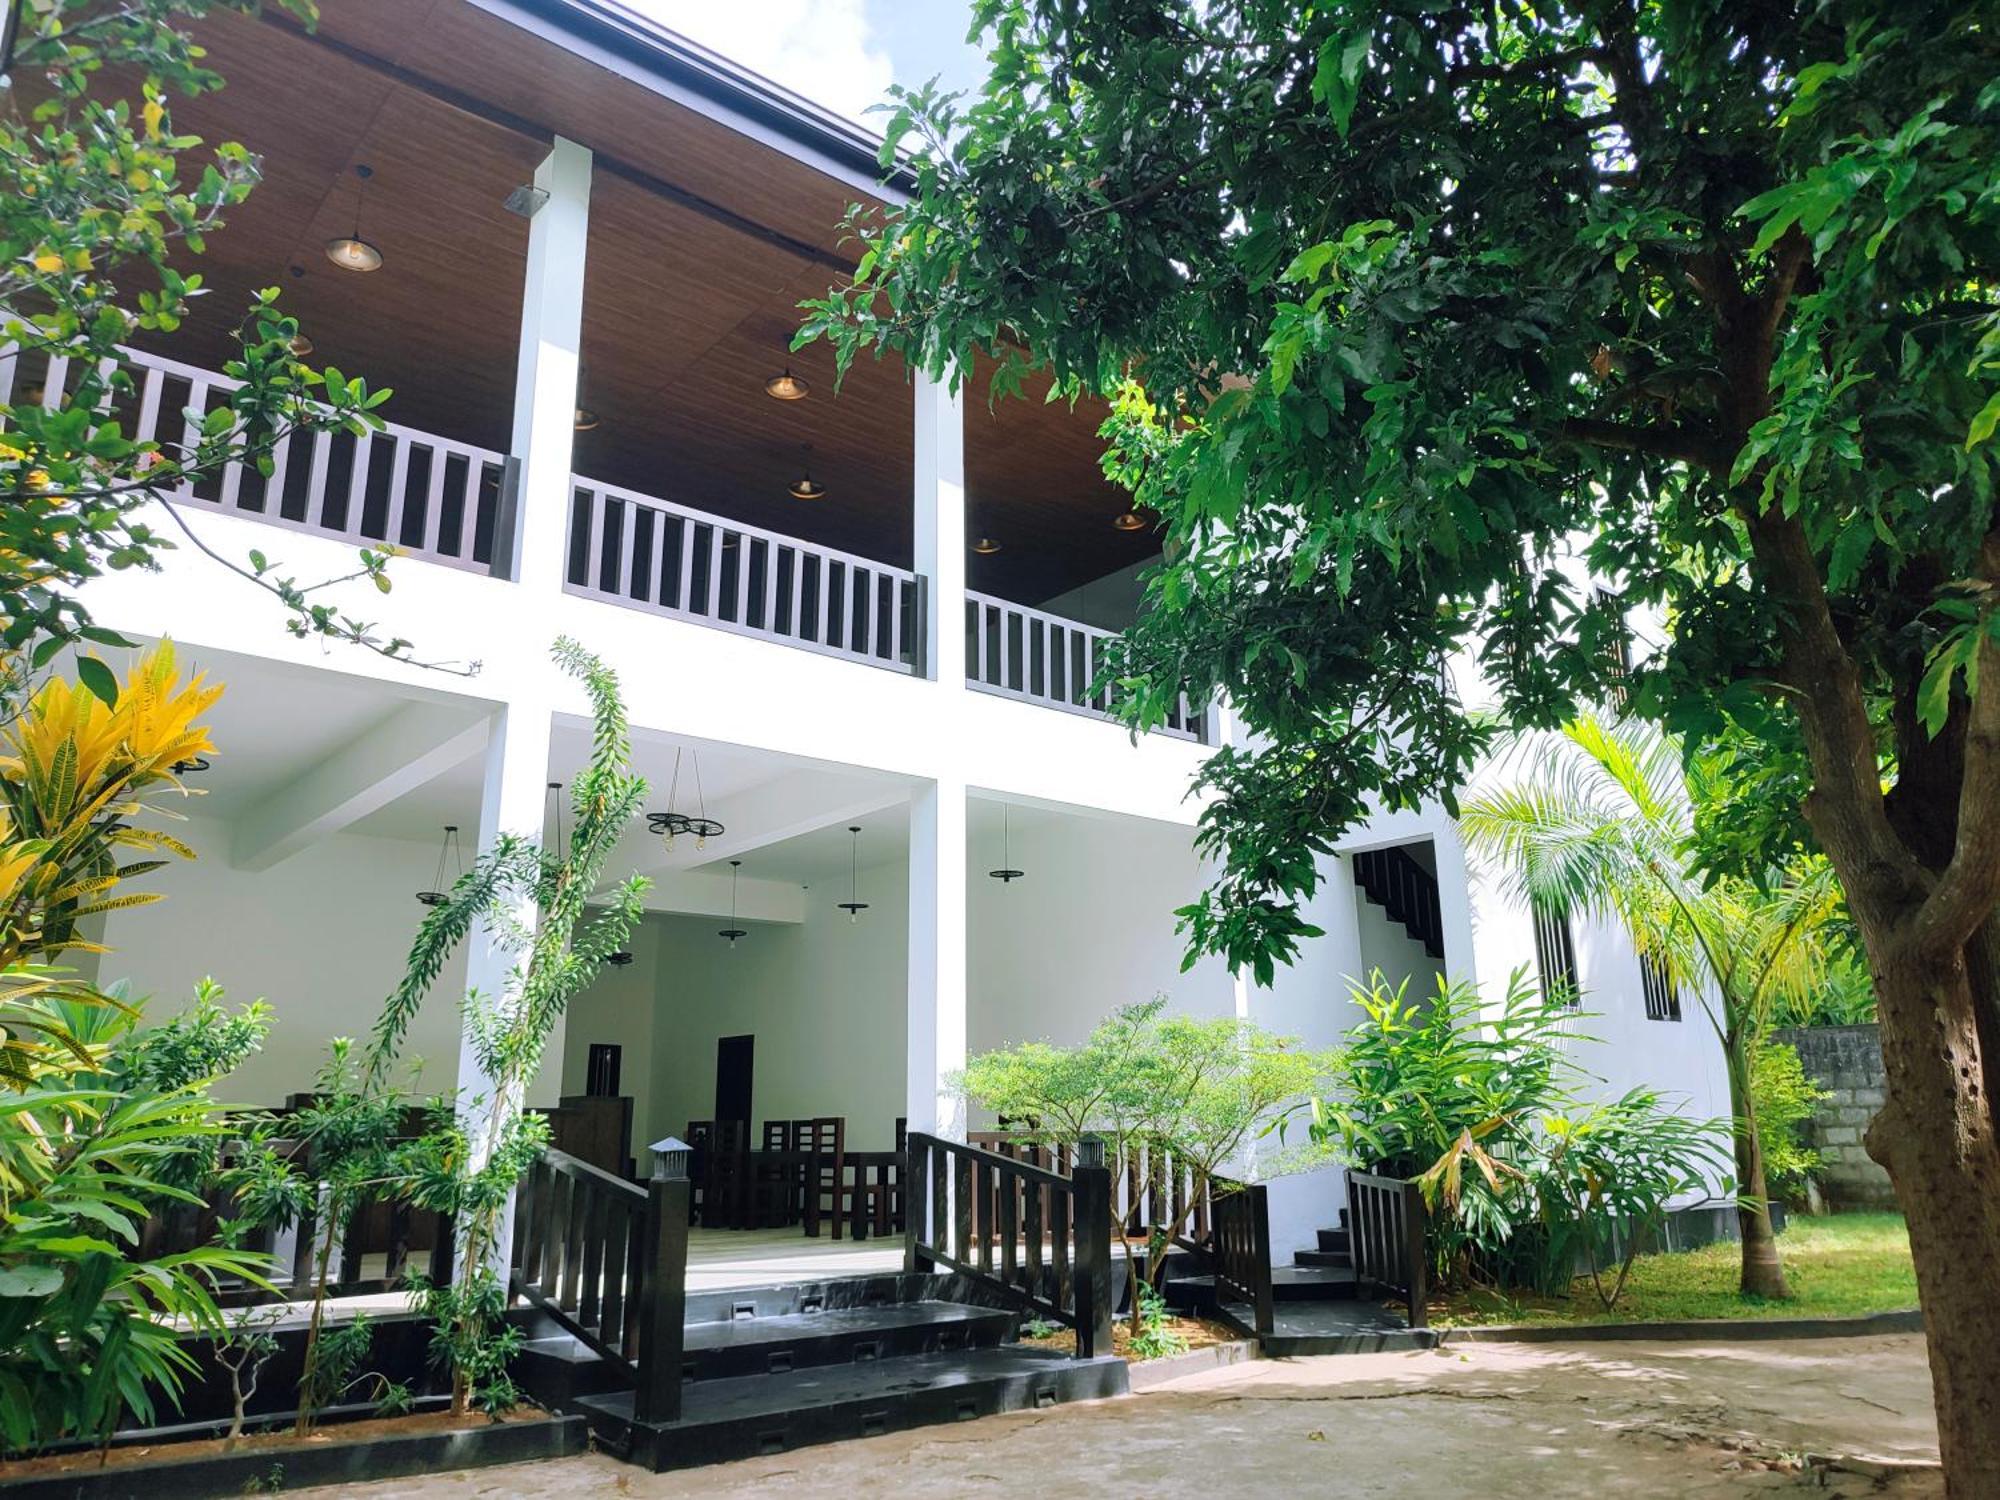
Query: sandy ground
point(1840, 1417)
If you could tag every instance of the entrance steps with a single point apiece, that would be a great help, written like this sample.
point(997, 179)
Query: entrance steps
point(770, 1369)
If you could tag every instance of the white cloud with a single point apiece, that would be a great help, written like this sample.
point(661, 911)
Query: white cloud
point(819, 48)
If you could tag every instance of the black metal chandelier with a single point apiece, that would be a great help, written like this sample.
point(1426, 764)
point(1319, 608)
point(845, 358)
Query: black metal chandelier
point(670, 824)
point(732, 931)
point(437, 895)
point(854, 906)
point(1006, 874)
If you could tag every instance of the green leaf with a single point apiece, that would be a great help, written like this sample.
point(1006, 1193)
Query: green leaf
point(1983, 423)
point(99, 678)
point(30, 1281)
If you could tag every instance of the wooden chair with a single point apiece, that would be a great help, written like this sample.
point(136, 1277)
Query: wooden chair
point(700, 1134)
point(777, 1190)
point(825, 1143)
point(728, 1194)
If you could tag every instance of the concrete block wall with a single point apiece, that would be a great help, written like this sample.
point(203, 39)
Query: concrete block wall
point(1846, 1061)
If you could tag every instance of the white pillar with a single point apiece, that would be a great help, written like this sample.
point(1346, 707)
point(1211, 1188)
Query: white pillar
point(545, 370)
point(937, 995)
point(939, 501)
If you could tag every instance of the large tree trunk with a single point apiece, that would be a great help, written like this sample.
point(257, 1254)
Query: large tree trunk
point(1936, 1139)
point(1763, 1274)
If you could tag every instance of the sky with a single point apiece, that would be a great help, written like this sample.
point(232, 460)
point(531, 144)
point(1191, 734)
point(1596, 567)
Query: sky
point(839, 53)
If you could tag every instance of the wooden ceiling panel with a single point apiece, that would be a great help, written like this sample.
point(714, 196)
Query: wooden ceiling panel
point(686, 314)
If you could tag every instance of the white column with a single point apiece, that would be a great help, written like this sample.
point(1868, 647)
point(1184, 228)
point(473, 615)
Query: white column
point(545, 371)
point(937, 996)
point(940, 524)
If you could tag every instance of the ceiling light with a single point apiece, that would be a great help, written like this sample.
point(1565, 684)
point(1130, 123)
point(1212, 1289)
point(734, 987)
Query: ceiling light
point(986, 546)
point(437, 895)
point(732, 931)
point(1129, 520)
point(586, 419)
point(619, 959)
point(299, 346)
point(350, 251)
point(1006, 874)
point(671, 824)
point(803, 488)
point(854, 906)
point(787, 386)
point(193, 765)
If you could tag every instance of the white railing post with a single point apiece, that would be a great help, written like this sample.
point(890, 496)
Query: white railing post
point(546, 373)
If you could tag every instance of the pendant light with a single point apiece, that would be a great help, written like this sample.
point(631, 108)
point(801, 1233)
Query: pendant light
point(986, 546)
point(349, 251)
point(584, 419)
point(732, 931)
point(670, 824)
point(803, 488)
point(437, 895)
point(1006, 874)
point(194, 765)
point(854, 906)
point(1129, 520)
point(619, 959)
point(298, 346)
point(555, 814)
point(787, 386)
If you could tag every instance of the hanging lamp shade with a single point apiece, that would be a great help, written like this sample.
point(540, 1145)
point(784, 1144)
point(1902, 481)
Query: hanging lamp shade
point(732, 931)
point(785, 386)
point(672, 823)
point(854, 906)
point(438, 894)
point(1006, 874)
point(1129, 520)
point(299, 346)
point(986, 546)
point(350, 251)
point(585, 419)
point(805, 487)
point(194, 765)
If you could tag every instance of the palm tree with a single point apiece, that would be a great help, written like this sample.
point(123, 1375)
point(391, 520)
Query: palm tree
point(1601, 822)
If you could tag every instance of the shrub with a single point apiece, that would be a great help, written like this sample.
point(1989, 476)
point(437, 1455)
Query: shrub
point(1786, 1101)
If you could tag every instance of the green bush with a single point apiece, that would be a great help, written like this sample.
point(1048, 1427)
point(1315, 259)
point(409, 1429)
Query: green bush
point(1786, 1100)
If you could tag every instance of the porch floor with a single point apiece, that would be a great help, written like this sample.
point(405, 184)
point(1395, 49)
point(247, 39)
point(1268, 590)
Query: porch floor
point(719, 1259)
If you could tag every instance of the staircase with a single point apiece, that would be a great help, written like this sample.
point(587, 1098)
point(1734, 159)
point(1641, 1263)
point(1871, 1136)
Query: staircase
point(670, 1379)
point(770, 1369)
point(1408, 892)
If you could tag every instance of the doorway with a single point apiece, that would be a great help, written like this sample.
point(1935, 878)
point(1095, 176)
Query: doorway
point(733, 1062)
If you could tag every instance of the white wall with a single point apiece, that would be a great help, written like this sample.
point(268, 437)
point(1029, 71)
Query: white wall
point(1089, 928)
point(322, 936)
point(619, 1006)
point(823, 997)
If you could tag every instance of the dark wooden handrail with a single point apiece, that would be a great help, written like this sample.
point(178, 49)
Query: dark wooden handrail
point(1040, 1236)
point(1387, 1234)
point(1150, 1186)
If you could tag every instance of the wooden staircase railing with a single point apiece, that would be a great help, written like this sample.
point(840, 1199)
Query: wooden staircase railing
point(1386, 1226)
point(1040, 1236)
point(1405, 890)
point(1241, 1250)
point(607, 1261)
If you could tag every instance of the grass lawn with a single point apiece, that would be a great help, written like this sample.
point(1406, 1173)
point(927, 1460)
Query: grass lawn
point(1842, 1265)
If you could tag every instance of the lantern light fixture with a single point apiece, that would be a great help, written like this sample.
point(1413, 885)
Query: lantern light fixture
point(986, 546)
point(1129, 520)
point(438, 895)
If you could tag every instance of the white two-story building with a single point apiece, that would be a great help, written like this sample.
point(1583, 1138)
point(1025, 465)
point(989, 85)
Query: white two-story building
point(854, 627)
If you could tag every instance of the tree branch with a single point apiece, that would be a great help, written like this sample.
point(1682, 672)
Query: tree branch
point(1966, 892)
point(1699, 449)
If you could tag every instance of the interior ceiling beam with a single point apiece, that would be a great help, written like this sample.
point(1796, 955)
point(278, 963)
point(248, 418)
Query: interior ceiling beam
point(415, 744)
point(543, 134)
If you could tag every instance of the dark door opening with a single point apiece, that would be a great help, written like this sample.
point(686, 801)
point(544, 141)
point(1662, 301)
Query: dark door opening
point(733, 1055)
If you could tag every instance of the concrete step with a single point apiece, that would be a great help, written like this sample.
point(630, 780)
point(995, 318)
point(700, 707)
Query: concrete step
point(1334, 1239)
point(753, 1415)
point(838, 1336)
point(1288, 1284)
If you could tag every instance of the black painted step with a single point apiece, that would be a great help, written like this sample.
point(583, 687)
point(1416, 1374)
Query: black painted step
point(1288, 1284)
point(747, 1416)
point(1333, 1258)
point(838, 1336)
point(1334, 1239)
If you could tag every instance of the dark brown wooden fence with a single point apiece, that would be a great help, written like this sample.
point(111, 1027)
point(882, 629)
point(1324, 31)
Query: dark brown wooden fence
point(1149, 1185)
point(1241, 1250)
point(1386, 1234)
point(1041, 1236)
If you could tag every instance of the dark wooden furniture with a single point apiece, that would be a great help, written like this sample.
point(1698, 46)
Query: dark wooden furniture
point(1387, 1233)
point(825, 1142)
point(595, 1128)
